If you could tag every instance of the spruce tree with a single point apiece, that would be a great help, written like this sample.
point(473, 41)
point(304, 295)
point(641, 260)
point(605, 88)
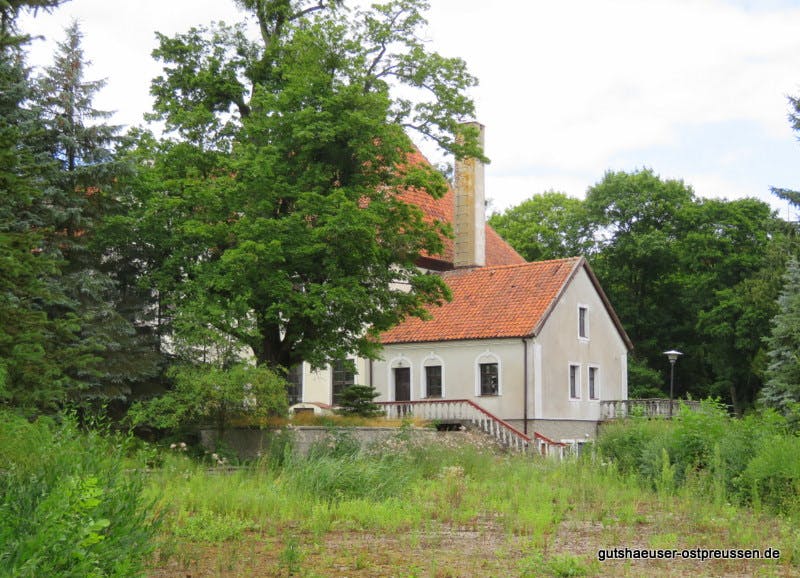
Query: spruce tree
point(30, 374)
point(782, 383)
point(104, 354)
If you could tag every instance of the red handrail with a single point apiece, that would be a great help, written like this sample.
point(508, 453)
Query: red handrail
point(481, 410)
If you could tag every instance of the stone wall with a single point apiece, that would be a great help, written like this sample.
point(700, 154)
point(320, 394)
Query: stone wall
point(249, 443)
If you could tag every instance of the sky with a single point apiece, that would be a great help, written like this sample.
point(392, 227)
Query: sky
point(692, 89)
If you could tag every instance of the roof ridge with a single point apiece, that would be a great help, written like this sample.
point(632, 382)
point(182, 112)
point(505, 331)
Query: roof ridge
point(513, 265)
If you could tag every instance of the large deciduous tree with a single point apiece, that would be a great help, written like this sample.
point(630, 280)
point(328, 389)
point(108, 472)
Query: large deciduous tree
point(689, 273)
point(275, 198)
point(547, 226)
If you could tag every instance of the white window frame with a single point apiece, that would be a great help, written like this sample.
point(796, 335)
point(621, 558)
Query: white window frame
point(430, 360)
point(488, 357)
point(586, 331)
point(597, 382)
point(577, 376)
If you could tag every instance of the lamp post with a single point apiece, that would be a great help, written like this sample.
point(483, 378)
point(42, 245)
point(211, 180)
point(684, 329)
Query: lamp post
point(673, 356)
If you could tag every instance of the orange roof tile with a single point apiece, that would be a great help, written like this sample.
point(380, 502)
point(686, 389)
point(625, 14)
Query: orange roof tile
point(498, 252)
point(491, 302)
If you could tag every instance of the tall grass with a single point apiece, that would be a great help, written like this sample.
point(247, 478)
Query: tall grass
point(753, 461)
point(68, 507)
point(417, 491)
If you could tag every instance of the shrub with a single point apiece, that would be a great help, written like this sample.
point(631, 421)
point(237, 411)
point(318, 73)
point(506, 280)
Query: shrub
point(773, 475)
point(68, 505)
point(358, 400)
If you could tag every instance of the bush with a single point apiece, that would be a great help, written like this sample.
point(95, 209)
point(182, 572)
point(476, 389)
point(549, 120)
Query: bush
point(773, 475)
point(755, 459)
point(68, 505)
point(358, 400)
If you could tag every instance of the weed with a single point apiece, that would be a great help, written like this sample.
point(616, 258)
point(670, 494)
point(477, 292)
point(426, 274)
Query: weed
point(68, 505)
point(291, 556)
point(208, 526)
point(562, 565)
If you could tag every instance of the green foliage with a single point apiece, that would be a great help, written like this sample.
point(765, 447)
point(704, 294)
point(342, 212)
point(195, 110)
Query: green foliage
point(643, 382)
point(69, 502)
point(338, 478)
point(750, 460)
point(773, 475)
point(208, 526)
point(699, 275)
point(32, 368)
point(782, 374)
point(291, 556)
point(560, 565)
point(207, 393)
point(358, 400)
point(546, 226)
point(277, 197)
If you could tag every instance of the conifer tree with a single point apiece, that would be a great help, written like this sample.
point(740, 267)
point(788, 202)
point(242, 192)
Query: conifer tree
point(105, 355)
point(30, 374)
point(782, 376)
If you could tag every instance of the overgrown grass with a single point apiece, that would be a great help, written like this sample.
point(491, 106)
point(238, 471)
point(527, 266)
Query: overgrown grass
point(69, 503)
point(549, 518)
point(754, 461)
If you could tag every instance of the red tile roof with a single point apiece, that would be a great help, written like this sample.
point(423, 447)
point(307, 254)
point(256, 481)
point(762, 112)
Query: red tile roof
point(498, 252)
point(491, 302)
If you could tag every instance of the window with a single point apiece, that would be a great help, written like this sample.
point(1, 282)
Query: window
point(583, 322)
point(575, 381)
point(433, 381)
point(594, 392)
point(343, 376)
point(489, 379)
point(295, 379)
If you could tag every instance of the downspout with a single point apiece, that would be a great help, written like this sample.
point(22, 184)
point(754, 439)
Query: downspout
point(525, 385)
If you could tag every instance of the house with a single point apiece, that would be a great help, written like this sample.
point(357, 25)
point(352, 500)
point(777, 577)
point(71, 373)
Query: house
point(537, 345)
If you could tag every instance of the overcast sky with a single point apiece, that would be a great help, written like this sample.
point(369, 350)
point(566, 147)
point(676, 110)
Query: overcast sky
point(694, 89)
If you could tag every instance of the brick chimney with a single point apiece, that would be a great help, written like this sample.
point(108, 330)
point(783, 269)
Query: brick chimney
point(470, 210)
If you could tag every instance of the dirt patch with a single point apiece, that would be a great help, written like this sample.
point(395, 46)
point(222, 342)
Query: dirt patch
point(480, 549)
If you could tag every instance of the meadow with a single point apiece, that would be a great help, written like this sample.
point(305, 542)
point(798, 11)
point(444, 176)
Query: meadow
point(455, 508)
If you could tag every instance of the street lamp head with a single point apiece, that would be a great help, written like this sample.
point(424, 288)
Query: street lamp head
point(673, 355)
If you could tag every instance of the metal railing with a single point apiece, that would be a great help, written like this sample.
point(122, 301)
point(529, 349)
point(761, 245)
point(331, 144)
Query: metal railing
point(467, 410)
point(622, 408)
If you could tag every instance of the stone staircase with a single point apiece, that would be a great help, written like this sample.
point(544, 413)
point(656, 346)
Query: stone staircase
point(465, 410)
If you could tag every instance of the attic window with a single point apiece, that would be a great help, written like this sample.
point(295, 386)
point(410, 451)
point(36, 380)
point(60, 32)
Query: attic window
point(583, 322)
